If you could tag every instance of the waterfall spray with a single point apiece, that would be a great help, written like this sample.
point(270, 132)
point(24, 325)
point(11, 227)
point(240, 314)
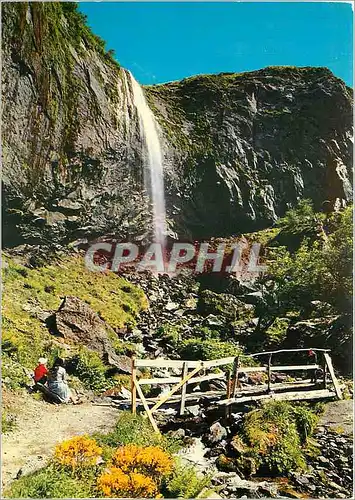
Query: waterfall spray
point(153, 160)
point(127, 104)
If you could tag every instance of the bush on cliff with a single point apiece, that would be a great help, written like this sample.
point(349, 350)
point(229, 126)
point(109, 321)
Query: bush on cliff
point(317, 271)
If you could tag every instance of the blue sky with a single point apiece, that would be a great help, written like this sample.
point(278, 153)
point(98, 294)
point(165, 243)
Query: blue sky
point(160, 42)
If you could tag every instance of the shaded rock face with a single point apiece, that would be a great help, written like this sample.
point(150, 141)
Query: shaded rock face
point(77, 322)
point(247, 146)
point(71, 143)
point(240, 149)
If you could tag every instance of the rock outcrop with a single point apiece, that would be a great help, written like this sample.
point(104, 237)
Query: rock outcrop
point(72, 168)
point(77, 323)
point(240, 149)
point(246, 147)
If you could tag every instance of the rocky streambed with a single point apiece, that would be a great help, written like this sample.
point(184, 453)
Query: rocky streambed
point(206, 432)
point(329, 463)
point(181, 301)
point(330, 474)
point(210, 446)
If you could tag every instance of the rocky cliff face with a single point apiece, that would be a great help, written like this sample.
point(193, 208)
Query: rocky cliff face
point(246, 147)
point(239, 148)
point(71, 165)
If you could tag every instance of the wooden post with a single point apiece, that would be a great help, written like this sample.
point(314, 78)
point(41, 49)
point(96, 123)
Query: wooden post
point(315, 370)
point(234, 382)
point(147, 409)
point(228, 379)
point(315, 376)
point(325, 383)
point(332, 374)
point(183, 391)
point(269, 374)
point(235, 377)
point(133, 385)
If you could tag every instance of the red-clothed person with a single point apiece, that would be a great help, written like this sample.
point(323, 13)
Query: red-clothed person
point(40, 373)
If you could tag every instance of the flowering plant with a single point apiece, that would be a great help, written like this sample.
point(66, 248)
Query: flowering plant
point(77, 452)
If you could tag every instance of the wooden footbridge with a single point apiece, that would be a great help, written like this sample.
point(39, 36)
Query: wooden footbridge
point(321, 385)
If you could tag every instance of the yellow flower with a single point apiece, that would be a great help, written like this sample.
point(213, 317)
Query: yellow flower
point(116, 483)
point(150, 460)
point(79, 451)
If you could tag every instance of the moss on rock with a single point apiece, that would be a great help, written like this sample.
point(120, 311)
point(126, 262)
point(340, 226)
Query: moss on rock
point(274, 438)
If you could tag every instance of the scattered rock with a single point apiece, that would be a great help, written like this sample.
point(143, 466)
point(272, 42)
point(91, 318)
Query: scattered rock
point(217, 433)
point(171, 306)
point(193, 410)
point(32, 465)
point(178, 434)
point(124, 394)
point(77, 322)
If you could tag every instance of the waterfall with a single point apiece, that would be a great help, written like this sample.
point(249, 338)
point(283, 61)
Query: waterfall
point(153, 160)
point(127, 104)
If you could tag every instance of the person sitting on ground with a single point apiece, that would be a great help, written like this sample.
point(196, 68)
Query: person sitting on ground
point(41, 371)
point(57, 383)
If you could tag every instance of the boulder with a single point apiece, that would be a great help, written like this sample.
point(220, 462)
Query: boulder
point(193, 410)
point(247, 465)
point(238, 446)
point(77, 322)
point(32, 465)
point(226, 464)
point(178, 434)
point(217, 433)
point(172, 306)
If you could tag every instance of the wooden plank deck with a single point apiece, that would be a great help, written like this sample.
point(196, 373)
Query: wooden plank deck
point(282, 396)
point(234, 392)
point(245, 394)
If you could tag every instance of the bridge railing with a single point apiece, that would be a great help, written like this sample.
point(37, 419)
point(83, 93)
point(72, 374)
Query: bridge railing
point(195, 372)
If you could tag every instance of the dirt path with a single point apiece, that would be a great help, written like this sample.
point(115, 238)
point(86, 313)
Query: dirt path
point(338, 415)
point(40, 426)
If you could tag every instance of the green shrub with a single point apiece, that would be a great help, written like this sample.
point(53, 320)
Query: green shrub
point(121, 380)
point(274, 434)
point(245, 360)
point(306, 421)
point(13, 375)
point(136, 429)
point(301, 219)
point(90, 369)
point(205, 333)
point(48, 483)
point(185, 483)
point(276, 333)
point(223, 305)
point(199, 349)
point(170, 333)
